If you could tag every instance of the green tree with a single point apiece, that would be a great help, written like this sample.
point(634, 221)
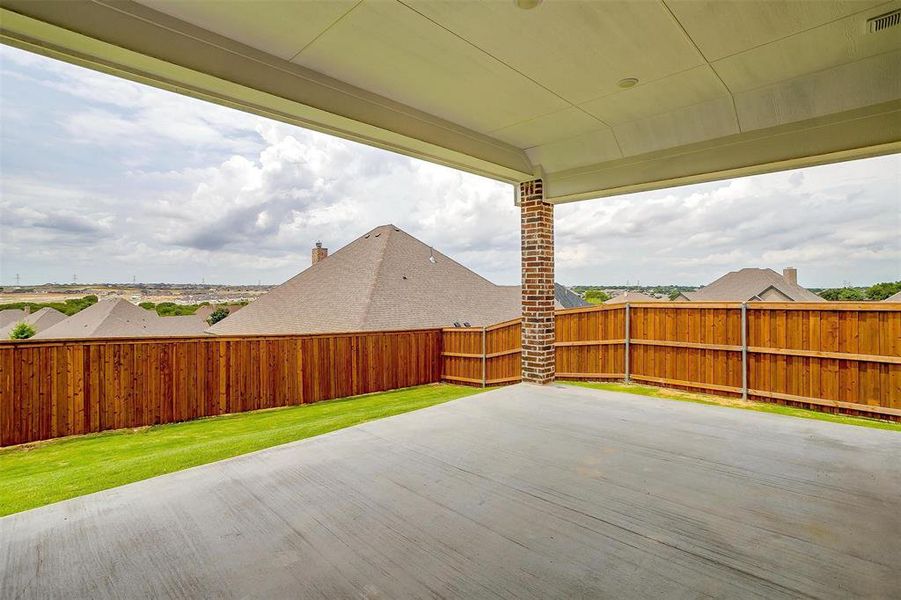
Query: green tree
point(217, 315)
point(881, 291)
point(22, 331)
point(845, 294)
point(147, 305)
point(596, 297)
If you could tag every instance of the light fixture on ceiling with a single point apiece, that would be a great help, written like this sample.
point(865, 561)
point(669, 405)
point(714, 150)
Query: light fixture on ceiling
point(526, 4)
point(628, 82)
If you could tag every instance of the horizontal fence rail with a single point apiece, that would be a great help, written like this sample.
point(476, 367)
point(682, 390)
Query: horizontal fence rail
point(836, 357)
point(52, 388)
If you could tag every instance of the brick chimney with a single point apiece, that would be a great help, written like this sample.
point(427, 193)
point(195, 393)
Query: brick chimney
point(790, 274)
point(319, 252)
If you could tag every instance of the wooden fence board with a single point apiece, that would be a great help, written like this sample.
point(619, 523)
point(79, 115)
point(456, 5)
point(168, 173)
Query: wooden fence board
point(836, 356)
point(65, 387)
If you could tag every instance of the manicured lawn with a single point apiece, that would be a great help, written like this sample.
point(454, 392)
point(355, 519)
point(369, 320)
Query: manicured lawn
point(654, 392)
point(46, 472)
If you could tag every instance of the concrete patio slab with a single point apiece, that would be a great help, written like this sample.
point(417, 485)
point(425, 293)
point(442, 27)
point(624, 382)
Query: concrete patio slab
point(522, 492)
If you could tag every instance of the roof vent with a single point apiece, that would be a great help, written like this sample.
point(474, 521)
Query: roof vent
point(891, 19)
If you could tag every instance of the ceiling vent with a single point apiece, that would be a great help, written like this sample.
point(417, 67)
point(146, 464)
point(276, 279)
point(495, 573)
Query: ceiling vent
point(877, 24)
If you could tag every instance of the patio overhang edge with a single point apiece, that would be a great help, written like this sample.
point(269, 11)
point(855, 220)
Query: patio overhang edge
point(224, 72)
point(852, 135)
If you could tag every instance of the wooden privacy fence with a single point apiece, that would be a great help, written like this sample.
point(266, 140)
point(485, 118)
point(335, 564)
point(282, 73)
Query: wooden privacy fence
point(482, 355)
point(836, 356)
point(56, 388)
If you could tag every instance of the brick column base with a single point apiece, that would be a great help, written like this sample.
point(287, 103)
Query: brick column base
point(537, 230)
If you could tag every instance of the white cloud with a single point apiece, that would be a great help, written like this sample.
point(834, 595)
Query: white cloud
point(113, 179)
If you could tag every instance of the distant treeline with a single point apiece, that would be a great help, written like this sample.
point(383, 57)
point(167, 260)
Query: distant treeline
point(879, 291)
point(875, 292)
point(596, 293)
point(171, 309)
point(74, 305)
point(67, 307)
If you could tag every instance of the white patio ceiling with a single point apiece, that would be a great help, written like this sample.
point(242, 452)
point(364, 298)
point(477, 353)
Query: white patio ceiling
point(724, 88)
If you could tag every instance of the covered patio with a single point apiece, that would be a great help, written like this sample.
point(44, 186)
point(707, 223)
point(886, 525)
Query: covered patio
point(521, 492)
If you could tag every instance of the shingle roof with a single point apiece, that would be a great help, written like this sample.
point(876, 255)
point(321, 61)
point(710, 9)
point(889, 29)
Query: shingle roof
point(11, 315)
point(181, 325)
point(632, 297)
point(566, 298)
point(115, 317)
point(40, 320)
point(896, 297)
point(206, 310)
point(747, 285)
point(385, 279)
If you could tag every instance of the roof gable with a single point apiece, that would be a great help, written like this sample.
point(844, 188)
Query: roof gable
point(385, 279)
point(751, 284)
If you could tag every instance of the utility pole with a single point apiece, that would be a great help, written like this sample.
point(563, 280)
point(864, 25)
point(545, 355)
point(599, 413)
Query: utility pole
point(17, 280)
point(74, 278)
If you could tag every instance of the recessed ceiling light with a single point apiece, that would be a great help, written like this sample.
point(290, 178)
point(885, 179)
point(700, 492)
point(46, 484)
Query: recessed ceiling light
point(627, 82)
point(526, 4)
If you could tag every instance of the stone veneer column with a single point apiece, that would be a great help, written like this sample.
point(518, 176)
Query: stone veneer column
point(537, 231)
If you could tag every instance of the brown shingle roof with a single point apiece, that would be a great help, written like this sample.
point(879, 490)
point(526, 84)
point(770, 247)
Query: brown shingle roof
point(206, 310)
point(11, 315)
point(385, 279)
point(40, 320)
point(115, 317)
point(747, 285)
point(181, 325)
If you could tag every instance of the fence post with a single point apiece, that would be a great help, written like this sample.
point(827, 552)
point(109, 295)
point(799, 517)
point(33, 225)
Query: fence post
point(627, 344)
point(744, 350)
point(484, 357)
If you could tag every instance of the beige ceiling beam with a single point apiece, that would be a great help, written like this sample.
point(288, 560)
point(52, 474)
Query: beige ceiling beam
point(137, 43)
point(863, 133)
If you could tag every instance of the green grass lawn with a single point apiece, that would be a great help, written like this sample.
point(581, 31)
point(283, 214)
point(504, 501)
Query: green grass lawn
point(37, 474)
point(655, 392)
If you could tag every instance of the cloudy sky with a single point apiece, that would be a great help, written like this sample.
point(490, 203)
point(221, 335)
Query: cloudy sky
point(110, 180)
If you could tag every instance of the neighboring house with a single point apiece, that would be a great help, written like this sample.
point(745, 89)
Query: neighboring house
point(754, 285)
point(896, 297)
point(385, 279)
point(116, 317)
point(632, 297)
point(39, 320)
point(11, 315)
point(565, 297)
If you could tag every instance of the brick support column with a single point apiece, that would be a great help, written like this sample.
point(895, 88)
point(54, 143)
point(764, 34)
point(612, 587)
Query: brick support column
point(537, 231)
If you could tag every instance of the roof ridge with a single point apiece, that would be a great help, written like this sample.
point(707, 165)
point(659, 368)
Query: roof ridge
point(375, 278)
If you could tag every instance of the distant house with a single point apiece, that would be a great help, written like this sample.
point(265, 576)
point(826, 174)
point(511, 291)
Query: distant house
point(753, 285)
point(632, 297)
point(385, 279)
point(116, 317)
point(39, 320)
point(896, 297)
